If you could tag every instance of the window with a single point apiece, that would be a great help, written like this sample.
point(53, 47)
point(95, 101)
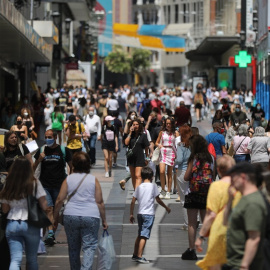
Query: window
point(176, 18)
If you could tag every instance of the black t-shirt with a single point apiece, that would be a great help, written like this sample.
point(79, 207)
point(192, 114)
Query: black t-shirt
point(122, 104)
point(53, 165)
point(138, 159)
point(152, 127)
point(257, 115)
point(12, 155)
point(238, 117)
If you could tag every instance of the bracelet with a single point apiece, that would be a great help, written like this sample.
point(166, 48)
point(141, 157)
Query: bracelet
point(147, 158)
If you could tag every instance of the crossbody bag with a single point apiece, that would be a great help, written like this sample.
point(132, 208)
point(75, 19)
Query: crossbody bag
point(129, 152)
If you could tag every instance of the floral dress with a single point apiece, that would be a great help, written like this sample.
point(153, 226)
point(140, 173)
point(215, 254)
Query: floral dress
point(168, 151)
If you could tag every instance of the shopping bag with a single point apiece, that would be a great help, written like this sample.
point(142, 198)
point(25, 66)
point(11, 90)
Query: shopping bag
point(155, 156)
point(106, 252)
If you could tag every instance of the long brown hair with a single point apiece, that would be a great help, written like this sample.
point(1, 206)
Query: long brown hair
point(185, 133)
point(20, 180)
point(7, 135)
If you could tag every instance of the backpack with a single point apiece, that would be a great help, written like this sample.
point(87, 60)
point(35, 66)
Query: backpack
point(211, 148)
point(201, 178)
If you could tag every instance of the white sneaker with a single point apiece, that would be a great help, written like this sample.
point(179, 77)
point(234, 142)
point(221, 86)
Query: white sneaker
point(162, 194)
point(107, 174)
point(167, 196)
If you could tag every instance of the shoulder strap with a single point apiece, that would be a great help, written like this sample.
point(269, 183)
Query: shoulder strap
point(80, 127)
point(73, 193)
point(21, 148)
point(135, 142)
point(240, 145)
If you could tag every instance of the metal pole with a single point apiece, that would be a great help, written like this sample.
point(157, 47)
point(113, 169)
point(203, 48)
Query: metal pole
point(71, 39)
point(60, 47)
point(102, 66)
point(31, 12)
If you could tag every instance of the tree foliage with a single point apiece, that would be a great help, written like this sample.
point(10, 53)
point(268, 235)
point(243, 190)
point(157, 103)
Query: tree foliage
point(119, 61)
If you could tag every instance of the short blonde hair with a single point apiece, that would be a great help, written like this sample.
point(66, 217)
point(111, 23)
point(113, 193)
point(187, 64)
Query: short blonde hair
point(224, 164)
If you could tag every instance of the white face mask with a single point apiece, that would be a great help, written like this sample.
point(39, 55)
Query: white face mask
point(132, 117)
point(91, 113)
point(25, 114)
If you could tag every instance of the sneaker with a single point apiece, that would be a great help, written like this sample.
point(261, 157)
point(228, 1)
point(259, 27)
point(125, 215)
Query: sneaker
point(110, 173)
point(159, 188)
point(122, 184)
point(50, 241)
point(114, 165)
point(134, 258)
point(142, 260)
point(184, 228)
point(178, 199)
point(174, 191)
point(107, 174)
point(189, 254)
point(167, 196)
point(162, 194)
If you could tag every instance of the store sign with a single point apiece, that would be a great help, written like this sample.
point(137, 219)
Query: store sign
point(242, 59)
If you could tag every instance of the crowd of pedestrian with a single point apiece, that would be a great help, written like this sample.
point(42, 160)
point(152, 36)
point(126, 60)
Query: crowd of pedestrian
point(164, 154)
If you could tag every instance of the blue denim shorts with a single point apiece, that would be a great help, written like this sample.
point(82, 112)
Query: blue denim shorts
point(145, 223)
point(51, 195)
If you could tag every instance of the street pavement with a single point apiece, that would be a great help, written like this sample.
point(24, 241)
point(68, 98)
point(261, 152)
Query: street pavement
point(167, 242)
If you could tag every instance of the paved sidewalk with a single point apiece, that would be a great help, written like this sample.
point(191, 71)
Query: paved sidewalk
point(167, 241)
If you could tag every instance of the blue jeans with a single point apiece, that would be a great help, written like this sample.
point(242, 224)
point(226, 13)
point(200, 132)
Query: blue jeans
point(241, 158)
point(19, 233)
point(92, 145)
point(82, 232)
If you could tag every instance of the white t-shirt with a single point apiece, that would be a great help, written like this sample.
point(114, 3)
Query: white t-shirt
point(178, 100)
point(187, 96)
point(248, 97)
point(112, 104)
point(146, 194)
point(18, 208)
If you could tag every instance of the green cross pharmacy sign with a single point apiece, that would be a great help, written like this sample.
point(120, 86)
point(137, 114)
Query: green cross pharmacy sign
point(242, 59)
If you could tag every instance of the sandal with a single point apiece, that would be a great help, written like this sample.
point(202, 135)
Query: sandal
point(122, 184)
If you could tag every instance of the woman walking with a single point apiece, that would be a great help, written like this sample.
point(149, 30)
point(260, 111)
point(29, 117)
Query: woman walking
point(166, 144)
point(82, 212)
point(138, 146)
point(28, 120)
point(198, 102)
point(109, 143)
point(21, 235)
point(58, 122)
point(14, 149)
point(20, 129)
point(259, 147)
point(240, 143)
point(183, 154)
point(200, 174)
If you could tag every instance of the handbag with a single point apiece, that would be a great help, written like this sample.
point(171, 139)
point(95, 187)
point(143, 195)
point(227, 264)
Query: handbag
point(155, 156)
point(129, 152)
point(61, 212)
point(36, 215)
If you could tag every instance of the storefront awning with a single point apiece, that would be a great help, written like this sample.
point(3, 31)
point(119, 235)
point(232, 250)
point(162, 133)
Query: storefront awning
point(214, 45)
point(19, 42)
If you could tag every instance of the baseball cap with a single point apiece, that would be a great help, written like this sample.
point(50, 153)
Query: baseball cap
point(109, 118)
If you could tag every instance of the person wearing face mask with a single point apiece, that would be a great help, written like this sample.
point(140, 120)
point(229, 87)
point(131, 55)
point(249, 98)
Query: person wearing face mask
point(75, 133)
point(52, 159)
point(257, 116)
point(238, 116)
point(93, 127)
point(217, 139)
point(109, 143)
point(28, 120)
point(20, 129)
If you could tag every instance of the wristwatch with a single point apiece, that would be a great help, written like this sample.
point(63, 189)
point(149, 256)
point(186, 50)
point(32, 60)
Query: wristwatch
point(201, 237)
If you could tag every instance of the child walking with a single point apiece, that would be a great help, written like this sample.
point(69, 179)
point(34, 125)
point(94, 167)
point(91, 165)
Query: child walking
point(145, 193)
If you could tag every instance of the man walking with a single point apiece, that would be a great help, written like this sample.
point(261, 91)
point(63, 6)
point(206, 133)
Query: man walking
point(74, 132)
point(52, 160)
point(247, 221)
point(238, 116)
point(217, 139)
point(182, 115)
point(93, 127)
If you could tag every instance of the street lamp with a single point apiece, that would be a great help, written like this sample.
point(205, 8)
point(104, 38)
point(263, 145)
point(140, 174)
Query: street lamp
point(67, 24)
point(56, 17)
